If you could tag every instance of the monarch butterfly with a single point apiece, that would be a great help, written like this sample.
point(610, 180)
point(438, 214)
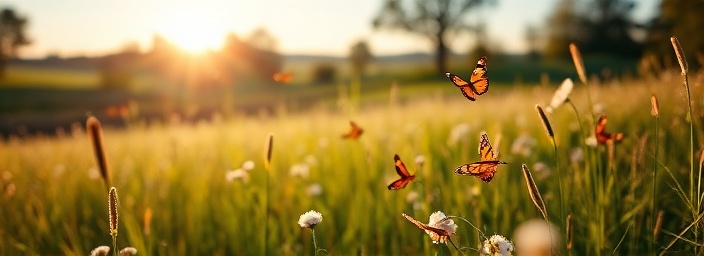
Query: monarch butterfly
point(355, 131)
point(486, 167)
point(602, 136)
point(438, 235)
point(478, 82)
point(283, 77)
point(402, 171)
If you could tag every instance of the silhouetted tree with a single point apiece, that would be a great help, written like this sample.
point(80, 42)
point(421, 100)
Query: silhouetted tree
point(431, 19)
point(323, 72)
point(563, 27)
point(599, 27)
point(359, 58)
point(609, 28)
point(683, 19)
point(12, 36)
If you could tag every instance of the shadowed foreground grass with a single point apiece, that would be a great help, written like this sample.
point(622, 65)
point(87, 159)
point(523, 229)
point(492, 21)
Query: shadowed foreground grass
point(54, 202)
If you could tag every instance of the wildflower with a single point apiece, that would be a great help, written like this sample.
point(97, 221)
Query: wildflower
point(128, 251)
point(458, 132)
point(311, 160)
point(301, 170)
point(439, 220)
point(591, 141)
point(314, 190)
point(239, 174)
point(523, 145)
point(420, 160)
point(310, 219)
point(248, 165)
point(496, 245)
point(536, 237)
point(560, 95)
point(412, 197)
point(100, 251)
point(577, 155)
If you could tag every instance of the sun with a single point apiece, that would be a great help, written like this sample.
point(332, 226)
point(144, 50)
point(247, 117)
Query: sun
point(195, 32)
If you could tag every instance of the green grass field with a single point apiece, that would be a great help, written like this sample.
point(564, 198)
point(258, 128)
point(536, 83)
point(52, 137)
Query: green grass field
point(55, 203)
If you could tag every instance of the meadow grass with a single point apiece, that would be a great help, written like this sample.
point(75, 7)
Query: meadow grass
point(53, 201)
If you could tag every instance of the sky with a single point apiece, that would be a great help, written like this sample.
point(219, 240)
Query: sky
point(321, 27)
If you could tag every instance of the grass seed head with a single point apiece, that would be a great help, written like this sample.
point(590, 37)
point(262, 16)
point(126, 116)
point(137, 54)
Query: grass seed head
point(100, 251)
point(569, 229)
point(654, 106)
point(534, 193)
point(545, 121)
point(269, 149)
point(578, 63)
point(680, 54)
point(113, 204)
point(95, 132)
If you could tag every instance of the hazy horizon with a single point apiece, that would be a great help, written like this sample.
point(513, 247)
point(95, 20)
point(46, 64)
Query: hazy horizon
point(307, 27)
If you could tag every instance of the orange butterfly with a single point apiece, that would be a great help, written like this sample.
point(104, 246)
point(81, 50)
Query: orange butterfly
point(486, 167)
point(355, 131)
point(438, 235)
point(283, 77)
point(406, 177)
point(602, 136)
point(478, 82)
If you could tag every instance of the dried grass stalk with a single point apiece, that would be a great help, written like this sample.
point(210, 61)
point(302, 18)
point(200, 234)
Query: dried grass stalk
point(545, 121)
point(95, 132)
point(113, 204)
point(578, 63)
point(534, 193)
point(655, 107)
point(680, 54)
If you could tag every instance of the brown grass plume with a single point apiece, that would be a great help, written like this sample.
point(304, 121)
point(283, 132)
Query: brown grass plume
point(95, 132)
point(534, 193)
point(113, 204)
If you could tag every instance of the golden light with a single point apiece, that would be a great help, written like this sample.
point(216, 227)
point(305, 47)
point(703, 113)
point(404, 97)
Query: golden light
point(192, 30)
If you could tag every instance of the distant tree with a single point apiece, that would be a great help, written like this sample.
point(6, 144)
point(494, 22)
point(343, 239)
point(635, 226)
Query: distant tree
point(563, 27)
point(598, 27)
point(609, 28)
point(323, 72)
point(532, 37)
point(683, 19)
point(262, 40)
point(434, 20)
point(360, 57)
point(12, 36)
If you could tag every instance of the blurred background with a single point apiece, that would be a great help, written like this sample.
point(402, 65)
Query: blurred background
point(152, 61)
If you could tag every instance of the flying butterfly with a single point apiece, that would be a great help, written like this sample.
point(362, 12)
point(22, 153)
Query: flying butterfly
point(486, 167)
point(283, 77)
point(438, 235)
point(402, 171)
point(355, 131)
point(602, 136)
point(478, 82)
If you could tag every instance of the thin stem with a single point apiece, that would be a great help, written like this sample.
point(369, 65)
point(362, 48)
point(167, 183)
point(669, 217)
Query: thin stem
point(655, 185)
point(559, 180)
point(114, 245)
point(315, 244)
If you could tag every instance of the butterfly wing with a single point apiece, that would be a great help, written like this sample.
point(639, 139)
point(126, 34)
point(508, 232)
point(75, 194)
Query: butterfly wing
point(402, 171)
point(436, 234)
point(479, 81)
point(465, 87)
point(355, 131)
point(486, 152)
point(483, 170)
point(602, 136)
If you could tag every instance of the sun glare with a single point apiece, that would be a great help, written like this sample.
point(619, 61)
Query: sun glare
point(195, 32)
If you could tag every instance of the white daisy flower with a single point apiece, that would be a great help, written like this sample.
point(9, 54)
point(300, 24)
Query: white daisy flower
point(128, 251)
point(439, 220)
point(310, 219)
point(314, 189)
point(248, 165)
point(239, 174)
point(100, 251)
point(497, 245)
point(560, 95)
point(536, 237)
point(301, 170)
